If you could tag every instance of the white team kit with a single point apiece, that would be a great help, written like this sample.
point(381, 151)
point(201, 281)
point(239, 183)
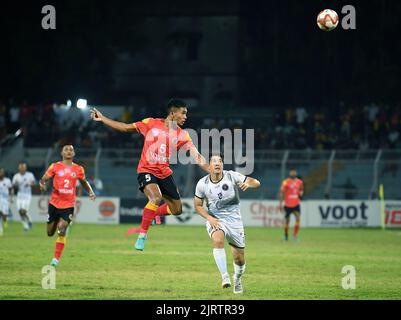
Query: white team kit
point(223, 203)
point(24, 195)
point(5, 186)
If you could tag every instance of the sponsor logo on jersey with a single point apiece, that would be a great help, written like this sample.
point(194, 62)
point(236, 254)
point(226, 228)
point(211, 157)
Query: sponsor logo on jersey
point(225, 187)
point(66, 191)
point(155, 132)
point(60, 173)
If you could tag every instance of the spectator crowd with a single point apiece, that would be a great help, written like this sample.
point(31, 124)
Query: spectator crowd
point(364, 127)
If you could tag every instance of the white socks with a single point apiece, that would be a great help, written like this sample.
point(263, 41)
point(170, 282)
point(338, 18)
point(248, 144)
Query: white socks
point(221, 261)
point(238, 270)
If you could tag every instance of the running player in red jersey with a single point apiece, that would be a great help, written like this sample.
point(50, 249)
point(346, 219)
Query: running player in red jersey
point(61, 206)
point(292, 190)
point(163, 137)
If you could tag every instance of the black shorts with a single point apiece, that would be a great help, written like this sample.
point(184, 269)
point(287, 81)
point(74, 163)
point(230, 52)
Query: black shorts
point(54, 214)
point(289, 210)
point(167, 185)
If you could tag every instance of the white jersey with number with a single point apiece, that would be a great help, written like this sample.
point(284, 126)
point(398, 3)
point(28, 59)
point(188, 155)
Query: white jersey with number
point(24, 183)
point(5, 186)
point(222, 197)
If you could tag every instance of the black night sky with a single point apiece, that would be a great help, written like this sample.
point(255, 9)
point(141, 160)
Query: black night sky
point(281, 57)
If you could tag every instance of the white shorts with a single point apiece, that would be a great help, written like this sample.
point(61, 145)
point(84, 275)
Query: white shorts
point(4, 206)
point(23, 202)
point(234, 233)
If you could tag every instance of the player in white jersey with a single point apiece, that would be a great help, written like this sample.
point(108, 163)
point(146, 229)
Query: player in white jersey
point(24, 180)
point(5, 192)
point(220, 192)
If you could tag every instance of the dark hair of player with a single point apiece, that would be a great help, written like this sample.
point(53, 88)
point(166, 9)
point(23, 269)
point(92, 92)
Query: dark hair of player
point(175, 104)
point(217, 154)
point(66, 144)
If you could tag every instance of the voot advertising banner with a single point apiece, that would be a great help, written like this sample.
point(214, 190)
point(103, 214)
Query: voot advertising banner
point(323, 213)
point(335, 213)
point(104, 210)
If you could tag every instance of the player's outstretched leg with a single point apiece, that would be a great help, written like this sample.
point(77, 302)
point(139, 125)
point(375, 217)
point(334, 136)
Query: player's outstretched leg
point(239, 268)
point(152, 191)
point(147, 218)
point(60, 241)
point(220, 257)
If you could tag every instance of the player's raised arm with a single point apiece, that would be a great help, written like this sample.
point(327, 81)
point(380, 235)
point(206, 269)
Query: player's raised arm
point(249, 183)
point(96, 115)
point(199, 159)
point(86, 185)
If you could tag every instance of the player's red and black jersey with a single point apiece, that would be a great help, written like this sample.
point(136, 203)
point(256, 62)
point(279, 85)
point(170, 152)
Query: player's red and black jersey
point(159, 144)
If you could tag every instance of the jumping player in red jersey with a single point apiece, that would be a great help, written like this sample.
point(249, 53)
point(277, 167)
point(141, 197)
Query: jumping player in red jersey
point(61, 206)
point(291, 192)
point(163, 137)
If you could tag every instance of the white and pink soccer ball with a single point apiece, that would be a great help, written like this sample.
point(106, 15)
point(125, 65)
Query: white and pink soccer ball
point(327, 20)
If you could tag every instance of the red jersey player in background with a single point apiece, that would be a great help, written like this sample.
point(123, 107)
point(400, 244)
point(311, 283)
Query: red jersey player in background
point(65, 175)
point(291, 192)
point(163, 137)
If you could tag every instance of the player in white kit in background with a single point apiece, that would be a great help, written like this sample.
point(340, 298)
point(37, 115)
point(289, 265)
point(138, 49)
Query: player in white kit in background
point(220, 192)
point(24, 180)
point(5, 192)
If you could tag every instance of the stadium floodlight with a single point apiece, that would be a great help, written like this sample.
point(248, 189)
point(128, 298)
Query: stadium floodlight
point(82, 103)
point(69, 103)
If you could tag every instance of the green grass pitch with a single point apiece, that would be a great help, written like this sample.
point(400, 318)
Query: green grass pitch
point(99, 262)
